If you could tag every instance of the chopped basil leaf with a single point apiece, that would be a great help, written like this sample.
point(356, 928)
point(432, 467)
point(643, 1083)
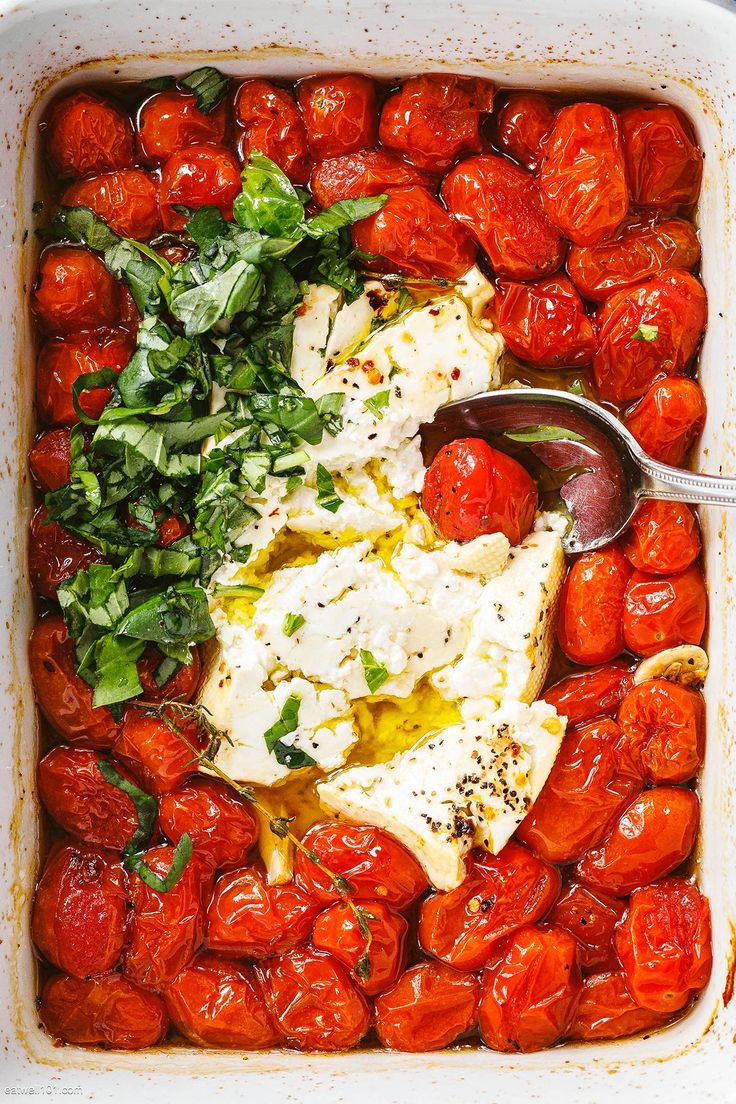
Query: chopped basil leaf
point(269, 202)
point(375, 673)
point(286, 754)
point(292, 623)
point(646, 332)
point(182, 855)
point(538, 433)
point(159, 84)
point(377, 403)
point(343, 213)
point(209, 85)
point(146, 807)
point(240, 590)
point(327, 496)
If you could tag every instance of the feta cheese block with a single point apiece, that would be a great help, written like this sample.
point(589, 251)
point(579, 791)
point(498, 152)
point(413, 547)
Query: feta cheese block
point(469, 784)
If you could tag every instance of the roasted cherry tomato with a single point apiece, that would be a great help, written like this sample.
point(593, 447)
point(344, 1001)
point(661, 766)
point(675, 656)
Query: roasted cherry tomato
point(74, 291)
point(50, 460)
point(669, 419)
point(63, 697)
point(522, 126)
point(165, 928)
point(107, 1011)
point(530, 994)
point(126, 200)
point(249, 917)
point(413, 233)
point(86, 134)
point(471, 489)
point(642, 248)
point(368, 172)
point(434, 119)
point(198, 176)
point(545, 323)
point(80, 912)
point(583, 175)
point(217, 1002)
point(55, 554)
point(664, 944)
point(272, 125)
point(170, 121)
point(63, 360)
point(171, 529)
point(154, 754)
point(314, 1002)
point(590, 783)
point(648, 331)
point(591, 917)
point(375, 864)
point(585, 695)
point(373, 969)
point(608, 1011)
point(590, 623)
point(130, 316)
point(653, 835)
point(502, 206)
point(219, 823)
point(663, 538)
point(661, 611)
point(76, 795)
point(499, 894)
point(428, 1008)
point(340, 114)
point(664, 726)
point(181, 687)
point(663, 162)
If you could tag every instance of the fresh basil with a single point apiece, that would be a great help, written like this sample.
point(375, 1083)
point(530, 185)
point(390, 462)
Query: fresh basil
point(268, 203)
point(375, 673)
point(292, 623)
point(146, 807)
point(286, 754)
point(645, 332)
point(327, 496)
point(377, 403)
point(342, 214)
point(238, 590)
point(180, 859)
point(209, 86)
point(538, 433)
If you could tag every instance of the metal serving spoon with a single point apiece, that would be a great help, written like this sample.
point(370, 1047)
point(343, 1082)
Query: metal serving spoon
point(610, 472)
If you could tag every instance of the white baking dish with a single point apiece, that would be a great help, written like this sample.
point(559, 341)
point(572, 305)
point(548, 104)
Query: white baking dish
point(679, 50)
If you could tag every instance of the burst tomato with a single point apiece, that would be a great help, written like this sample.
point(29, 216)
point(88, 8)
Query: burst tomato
point(669, 419)
point(501, 205)
point(368, 172)
point(664, 727)
point(50, 460)
point(181, 687)
point(63, 360)
point(608, 1011)
point(663, 162)
point(198, 176)
point(522, 126)
point(428, 1008)
point(78, 798)
point(272, 125)
point(170, 121)
point(589, 784)
point(337, 931)
point(86, 134)
point(55, 554)
point(219, 823)
point(590, 624)
point(158, 757)
point(217, 1002)
point(499, 894)
point(471, 489)
point(663, 538)
point(126, 200)
point(661, 611)
point(585, 695)
point(247, 916)
point(545, 323)
point(591, 917)
point(107, 1011)
point(340, 114)
point(74, 291)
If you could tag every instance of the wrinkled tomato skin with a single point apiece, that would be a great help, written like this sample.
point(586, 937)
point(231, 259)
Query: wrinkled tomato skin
point(471, 489)
point(50, 460)
point(545, 323)
point(642, 248)
point(590, 623)
point(663, 538)
point(434, 119)
point(583, 174)
point(429, 1007)
point(170, 530)
point(272, 125)
point(74, 291)
point(413, 233)
point(165, 928)
point(589, 784)
point(198, 176)
point(624, 365)
point(86, 134)
point(365, 173)
point(159, 758)
point(217, 1002)
point(81, 802)
point(608, 1011)
point(107, 1011)
point(375, 864)
point(522, 126)
point(218, 822)
point(529, 996)
point(61, 362)
point(55, 554)
point(249, 917)
point(170, 121)
point(500, 893)
point(590, 916)
point(651, 838)
point(340, 114)
point(80, 911)
point(664, 165)
point(663, 724)
point(314, 1002)
point(661, 611)
point(500, 204)
point(181, 687)
point(664, 943)
point(336, 931)
point(669, 419)
point(585, 695)
point(62, 696)
point(127, 201)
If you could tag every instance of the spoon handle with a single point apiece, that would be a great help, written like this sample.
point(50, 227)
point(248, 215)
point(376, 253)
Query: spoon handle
point(662, 481)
